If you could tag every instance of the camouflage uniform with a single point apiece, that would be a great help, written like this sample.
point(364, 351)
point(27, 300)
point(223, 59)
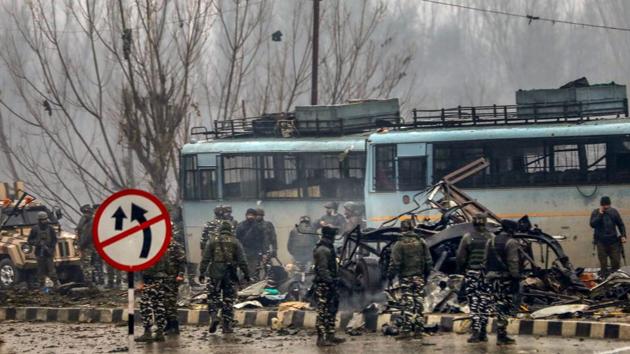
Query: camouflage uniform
point(222, 257)
point(251, 235)
point(411, 262)
point(325, 286)
point(44, 238)
point(212, 227)
point(88, 253)
point(270, 243)
point(176, 268)
point(470, 262)
point(503, 274)
point(153, 299)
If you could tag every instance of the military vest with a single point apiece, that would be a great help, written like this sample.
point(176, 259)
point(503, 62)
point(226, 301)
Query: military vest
point(224, 249)
point(413, 251)
point(476, 249)
point(497, 255)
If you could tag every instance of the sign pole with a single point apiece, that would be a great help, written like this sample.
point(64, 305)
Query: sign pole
point(130, 311)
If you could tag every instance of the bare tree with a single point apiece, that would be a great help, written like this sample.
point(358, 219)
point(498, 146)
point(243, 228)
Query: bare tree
point(103, 78)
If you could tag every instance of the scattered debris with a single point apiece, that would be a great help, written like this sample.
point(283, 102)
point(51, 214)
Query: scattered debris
point(248, 304)
point(560, 310)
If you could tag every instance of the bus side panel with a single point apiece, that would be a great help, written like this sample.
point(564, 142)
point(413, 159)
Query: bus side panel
point(557, 210)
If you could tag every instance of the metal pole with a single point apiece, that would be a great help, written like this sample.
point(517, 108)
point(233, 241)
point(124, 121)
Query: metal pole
point(315, 52)
point(130, 308)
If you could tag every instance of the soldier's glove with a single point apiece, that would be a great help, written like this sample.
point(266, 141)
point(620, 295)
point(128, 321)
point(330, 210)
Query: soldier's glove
point(202, 278)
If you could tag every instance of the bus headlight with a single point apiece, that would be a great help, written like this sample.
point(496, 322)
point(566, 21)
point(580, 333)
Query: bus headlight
point(26, 248)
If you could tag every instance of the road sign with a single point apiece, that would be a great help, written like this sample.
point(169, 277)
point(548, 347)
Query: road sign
point(132, 229)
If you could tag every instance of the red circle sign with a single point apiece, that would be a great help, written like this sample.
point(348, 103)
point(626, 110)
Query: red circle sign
point(131, 230)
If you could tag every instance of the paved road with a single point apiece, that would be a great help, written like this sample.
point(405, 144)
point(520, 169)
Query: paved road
point(99, 338)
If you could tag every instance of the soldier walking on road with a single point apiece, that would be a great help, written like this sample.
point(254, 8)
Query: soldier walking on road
point(325, 286)
point(222, 257)
point(88, 253)
point(44, 238)
point(411, 262)
point(175, 275)
point(470, 262)
point(503, 274)
point(605, 221)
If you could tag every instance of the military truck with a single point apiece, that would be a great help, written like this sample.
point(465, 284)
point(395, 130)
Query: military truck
point(17, 258)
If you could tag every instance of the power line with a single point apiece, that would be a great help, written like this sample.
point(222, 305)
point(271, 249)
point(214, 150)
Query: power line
point(528, 17)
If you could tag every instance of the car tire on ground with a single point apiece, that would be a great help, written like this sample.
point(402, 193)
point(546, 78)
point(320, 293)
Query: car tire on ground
point(9, 274)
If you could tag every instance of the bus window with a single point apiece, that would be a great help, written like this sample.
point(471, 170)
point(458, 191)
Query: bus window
point(333, 175)
point(412, 173)
point(384, 176)
point(620, 171)
point(239, 176)
point(280, 176)
point(199, 177)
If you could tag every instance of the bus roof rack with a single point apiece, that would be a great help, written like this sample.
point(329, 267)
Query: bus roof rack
point(538, 113)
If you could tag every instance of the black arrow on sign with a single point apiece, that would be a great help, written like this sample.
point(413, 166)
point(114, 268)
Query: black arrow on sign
point(137, 214)
point(119, 215)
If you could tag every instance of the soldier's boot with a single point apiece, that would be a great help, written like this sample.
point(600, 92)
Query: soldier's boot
point(172, 327)
point(474, 337)
point(227, 327)
point(335, 339)
point(323, 341)
point(406, 335)
point(159, 336)
point(483, 335)
point(503, 339)
point(146, 336)
point(214, 322)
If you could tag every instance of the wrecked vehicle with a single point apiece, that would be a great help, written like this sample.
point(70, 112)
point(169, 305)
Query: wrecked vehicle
point(442, 220)
point(17, 259)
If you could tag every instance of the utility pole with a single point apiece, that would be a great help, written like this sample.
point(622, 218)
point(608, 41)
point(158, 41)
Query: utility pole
point(315, 52)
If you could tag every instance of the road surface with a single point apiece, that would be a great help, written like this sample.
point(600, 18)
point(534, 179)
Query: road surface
point(42, 338)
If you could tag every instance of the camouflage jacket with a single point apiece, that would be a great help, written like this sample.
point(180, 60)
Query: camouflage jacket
point(271, 239)
point(410, 256)
point(222, 256)
point(325, 262)
point(171, 264)
point(44, 240)
point(212, 229)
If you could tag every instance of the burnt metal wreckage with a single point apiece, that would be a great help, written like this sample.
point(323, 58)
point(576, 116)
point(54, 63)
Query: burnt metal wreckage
point(549, 278)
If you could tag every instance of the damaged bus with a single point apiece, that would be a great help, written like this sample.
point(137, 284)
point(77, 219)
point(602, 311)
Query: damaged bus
point(290, 164)
point(553, 169)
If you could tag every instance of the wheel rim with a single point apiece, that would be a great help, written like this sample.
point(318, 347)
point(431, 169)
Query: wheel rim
point(7, 275)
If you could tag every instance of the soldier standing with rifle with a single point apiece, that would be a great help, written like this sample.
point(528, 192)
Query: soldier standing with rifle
point(470, 262)
point(325, 286)
point(411, 262)
point(222, 258)
point(44, 238)
point(503, 275)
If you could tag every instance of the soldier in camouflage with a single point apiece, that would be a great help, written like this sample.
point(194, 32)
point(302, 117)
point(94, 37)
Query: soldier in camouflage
point(325, 288)
point(44, 238)
point(221, 213)
point(222, 258)
point(175, 270)
point(411, 262)
point(88, 253)
point(153, 301)
point(211, 227)
point(503, 274)
point(470, 262)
